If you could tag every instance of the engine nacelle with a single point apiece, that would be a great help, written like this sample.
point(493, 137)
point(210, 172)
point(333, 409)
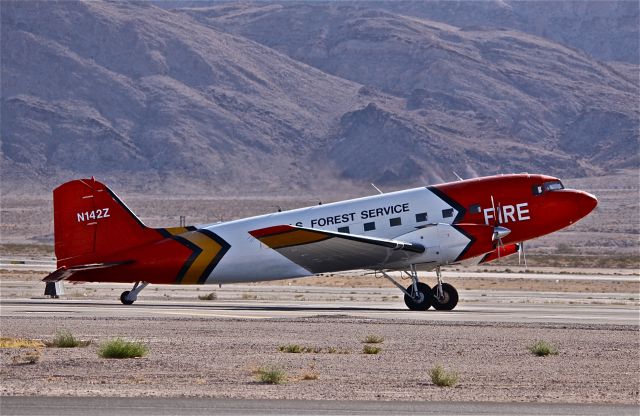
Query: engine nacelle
point(446, 243)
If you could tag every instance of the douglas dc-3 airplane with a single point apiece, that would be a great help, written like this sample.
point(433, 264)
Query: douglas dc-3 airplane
point(98, 239)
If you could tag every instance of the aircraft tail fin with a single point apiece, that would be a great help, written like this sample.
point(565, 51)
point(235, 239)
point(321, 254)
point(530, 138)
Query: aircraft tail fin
point(91, 224)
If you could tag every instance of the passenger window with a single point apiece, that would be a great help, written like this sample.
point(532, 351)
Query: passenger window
point(343, 230)
point(394, 222)
point(447, 213)
point(369, 226)
point(421, 217)
point(474, 209)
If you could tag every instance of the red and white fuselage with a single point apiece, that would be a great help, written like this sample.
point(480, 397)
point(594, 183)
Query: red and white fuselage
point(99, 239)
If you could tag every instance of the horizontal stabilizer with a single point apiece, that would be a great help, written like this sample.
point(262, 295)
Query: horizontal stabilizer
point(65, 272)
point(321, 251)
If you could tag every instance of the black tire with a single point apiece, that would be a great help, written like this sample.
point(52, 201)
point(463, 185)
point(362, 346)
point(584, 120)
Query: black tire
point(123, 298)
point(421, 304)
point(450, 298)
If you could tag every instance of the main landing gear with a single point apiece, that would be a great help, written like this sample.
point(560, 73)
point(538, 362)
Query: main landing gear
point(129, 296)
point(419, 296)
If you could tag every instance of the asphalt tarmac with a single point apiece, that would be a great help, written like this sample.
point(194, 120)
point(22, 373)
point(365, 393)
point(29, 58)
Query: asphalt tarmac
point(143, 406)
point(499, 307)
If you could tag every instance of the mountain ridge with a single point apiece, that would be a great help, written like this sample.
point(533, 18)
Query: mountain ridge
point(178, 99)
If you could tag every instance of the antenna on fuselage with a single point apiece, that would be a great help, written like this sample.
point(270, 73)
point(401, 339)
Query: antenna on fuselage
point(376, 188)
point(457, 176)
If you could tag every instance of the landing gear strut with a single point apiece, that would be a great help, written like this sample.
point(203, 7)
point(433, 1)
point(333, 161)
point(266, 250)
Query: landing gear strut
point(129, 296)
point(419, 296)
point(445, 296)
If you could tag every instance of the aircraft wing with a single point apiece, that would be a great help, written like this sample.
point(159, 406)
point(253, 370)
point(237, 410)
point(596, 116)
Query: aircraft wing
point(65, 272)
point(321, 251)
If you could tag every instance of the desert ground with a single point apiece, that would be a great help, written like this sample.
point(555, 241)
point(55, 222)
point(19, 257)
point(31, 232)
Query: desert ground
point(220, 358)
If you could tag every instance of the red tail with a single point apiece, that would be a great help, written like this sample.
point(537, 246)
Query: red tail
point(91, 223)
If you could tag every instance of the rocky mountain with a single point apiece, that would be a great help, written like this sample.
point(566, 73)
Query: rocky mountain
point(606, 30)
point(266, 97)
point(134, 91)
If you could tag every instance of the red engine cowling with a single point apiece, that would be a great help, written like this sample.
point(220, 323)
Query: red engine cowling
point(502, 251)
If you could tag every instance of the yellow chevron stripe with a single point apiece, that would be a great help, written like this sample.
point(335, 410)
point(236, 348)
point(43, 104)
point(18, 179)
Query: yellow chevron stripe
point(210, 249)
point(292, 238)
point(176, 230)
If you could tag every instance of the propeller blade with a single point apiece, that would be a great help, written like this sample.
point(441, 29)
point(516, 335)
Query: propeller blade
point(493, 207)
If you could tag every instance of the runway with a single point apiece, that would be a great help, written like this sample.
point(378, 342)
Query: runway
point(209, 350)
point(508, 307)
point(144, 406)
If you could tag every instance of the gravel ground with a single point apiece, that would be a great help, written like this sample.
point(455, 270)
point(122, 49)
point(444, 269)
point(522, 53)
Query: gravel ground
point(219, 357)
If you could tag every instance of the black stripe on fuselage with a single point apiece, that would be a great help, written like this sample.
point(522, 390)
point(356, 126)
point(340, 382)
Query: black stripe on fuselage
point(461, 213)
point(451, 202)
point(224, 247)
point(195, 252)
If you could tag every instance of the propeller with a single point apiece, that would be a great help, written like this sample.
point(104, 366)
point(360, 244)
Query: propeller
point(499, 232)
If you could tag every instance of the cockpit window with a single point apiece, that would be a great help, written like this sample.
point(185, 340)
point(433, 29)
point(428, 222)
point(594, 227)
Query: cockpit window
point(553, 186)
point(547, 187)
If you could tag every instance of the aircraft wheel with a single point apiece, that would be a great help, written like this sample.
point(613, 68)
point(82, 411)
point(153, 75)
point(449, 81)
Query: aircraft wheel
point(449, 299)
point(423, 300)
point(123, 298)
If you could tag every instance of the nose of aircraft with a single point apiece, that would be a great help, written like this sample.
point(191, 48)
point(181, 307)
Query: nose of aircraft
point(583, 203)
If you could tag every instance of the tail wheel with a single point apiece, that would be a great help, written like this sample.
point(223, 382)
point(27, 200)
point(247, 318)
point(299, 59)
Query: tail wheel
point(123, 298)
point(420, 301)
point(449, 298)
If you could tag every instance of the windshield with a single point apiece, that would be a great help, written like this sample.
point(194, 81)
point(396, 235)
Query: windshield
point(547, 187)
point(553, 186)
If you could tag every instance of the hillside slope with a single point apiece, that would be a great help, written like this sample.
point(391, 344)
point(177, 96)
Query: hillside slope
point(606, 30)
point(128, 89)
point(241, 98)
point(502, 82)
